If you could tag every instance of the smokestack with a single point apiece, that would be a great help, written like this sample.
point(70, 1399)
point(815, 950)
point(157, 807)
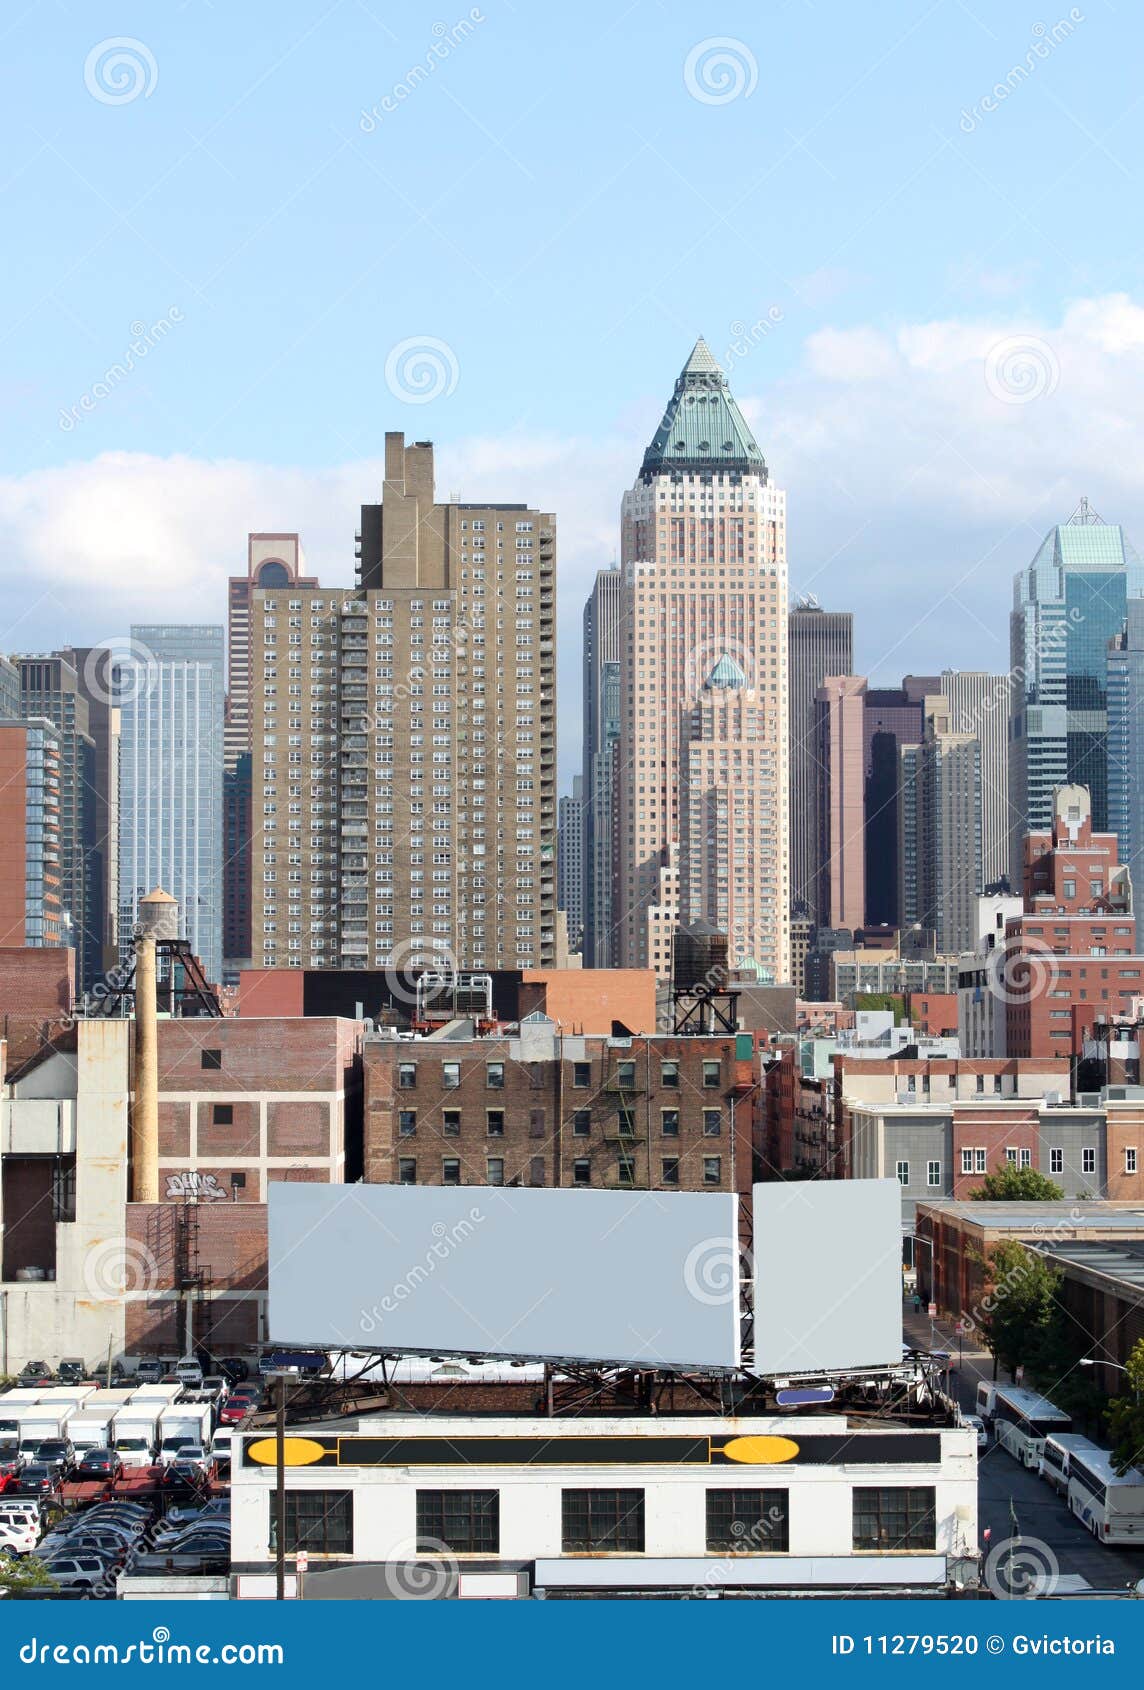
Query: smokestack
point(145, 1114)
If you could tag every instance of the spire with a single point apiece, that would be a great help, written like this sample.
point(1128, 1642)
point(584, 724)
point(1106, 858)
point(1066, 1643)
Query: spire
point(703, 428)
point(726, 673)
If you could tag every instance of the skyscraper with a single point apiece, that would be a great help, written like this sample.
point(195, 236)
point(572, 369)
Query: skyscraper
point(979, 706)
point(840, 751)
point(171, 693)
point(601, 695)
point(940, 819)
point(895, 718)
point(704, 577)
point(95, 673)
point(30, 882)
point(419, 721)
point(1126, 739)
point(570, 862)
point(1067, 605)
point(821, 644)
point(49, 687)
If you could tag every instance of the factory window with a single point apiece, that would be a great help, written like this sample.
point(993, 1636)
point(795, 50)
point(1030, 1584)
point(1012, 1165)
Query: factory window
point(594, 1520)
point(894, 1517)
point(406, 1076)
point(669, 1170)
point(626, 1075)
point(450, 1075)
point(463, 1522)
point(494, 1076)
point(494, 1170)
point(406, 1122)
point(451, 1170)
point(712, 1170)
point(223, 1115)
point(669, 1074)
point(581, 1123)
point(748, 1521)
point(211, 1059)
point(451, 1121)
point(494, 1123)
point(1056, 1160)
point(581, 1075)
point(625, 1170)
point(238, 1182)
point(711, 1076)
point(320, 1521)
point(406, 1170)
point(712, 1123)
point(669, 1122)
point(582, 1171)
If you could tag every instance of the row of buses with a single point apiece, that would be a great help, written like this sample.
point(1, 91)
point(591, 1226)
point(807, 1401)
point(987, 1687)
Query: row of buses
point(1037, 1433)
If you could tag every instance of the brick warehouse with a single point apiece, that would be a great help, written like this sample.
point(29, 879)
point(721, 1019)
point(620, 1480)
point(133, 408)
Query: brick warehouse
point(539, 1108)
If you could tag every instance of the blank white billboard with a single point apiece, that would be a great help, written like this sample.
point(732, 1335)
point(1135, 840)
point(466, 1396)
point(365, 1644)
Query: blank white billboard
point(647, 1278)
point(828, 1275)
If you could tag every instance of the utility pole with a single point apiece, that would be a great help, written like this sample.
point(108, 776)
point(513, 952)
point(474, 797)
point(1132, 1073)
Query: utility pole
point(280, 1490)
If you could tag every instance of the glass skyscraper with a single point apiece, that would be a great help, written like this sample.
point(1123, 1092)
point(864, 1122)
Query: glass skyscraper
point(1068, 604)
point(171, 691)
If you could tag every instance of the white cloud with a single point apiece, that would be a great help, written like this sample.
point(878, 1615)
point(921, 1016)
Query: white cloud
point(914, 493)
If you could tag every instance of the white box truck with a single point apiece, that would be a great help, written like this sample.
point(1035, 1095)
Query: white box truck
point(90, 1429)
point(136, 1430)
point(183, 1423)
point(39, 1424)
point(12, 1405)
point(160, 1395)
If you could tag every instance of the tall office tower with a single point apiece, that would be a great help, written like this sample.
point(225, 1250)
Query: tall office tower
point(171, 691)
point(94, 667)
point(704, 576)
point(1126, 739)
point(895, 717)
point(979, 706)
point(1067, 605)
point(821, 644)
point(570, 862)
point(726, 803)
point(31, 911)
point(237, 865)
point(601, 690)
point(9, 688)
point(841, 841)
point(49, 688)
point(940, 817)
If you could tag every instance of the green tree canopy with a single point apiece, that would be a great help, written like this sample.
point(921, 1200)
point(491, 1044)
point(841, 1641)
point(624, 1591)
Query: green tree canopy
point(1018, 1313)
point(1008, 1184)
point(1126, 1414)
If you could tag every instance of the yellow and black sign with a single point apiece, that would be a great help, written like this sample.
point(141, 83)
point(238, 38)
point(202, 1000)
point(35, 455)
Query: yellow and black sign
point(762, 1450)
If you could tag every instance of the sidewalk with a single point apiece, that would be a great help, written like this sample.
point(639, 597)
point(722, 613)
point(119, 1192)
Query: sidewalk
point(966, 1368)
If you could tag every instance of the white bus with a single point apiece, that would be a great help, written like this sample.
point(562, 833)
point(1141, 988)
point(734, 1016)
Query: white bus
point(1110, 1504)
point(1057, 1455)
point(1022, 1421)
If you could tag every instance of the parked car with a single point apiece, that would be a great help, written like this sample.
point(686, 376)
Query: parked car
point(80, 1572)
point(72, 1371)
point(99, 1463)
point(19, 1536)
point(236, 1408)
point(975, 1422)
point(189, 1373)
point(183, 1480)
point(57, 1453)
point(40, 1480)
point(235, 1368)
point(216, 1385)
point(218, 1508)
point(35, 1373)
point(149, 1371)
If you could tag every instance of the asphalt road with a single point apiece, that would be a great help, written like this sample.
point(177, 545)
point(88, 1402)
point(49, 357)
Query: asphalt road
point(1052, 1542)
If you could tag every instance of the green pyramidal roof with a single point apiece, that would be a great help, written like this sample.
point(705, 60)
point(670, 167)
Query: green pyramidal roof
point(702, 428)
point(726, 673)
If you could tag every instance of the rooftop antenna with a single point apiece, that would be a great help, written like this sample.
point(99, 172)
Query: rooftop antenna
point(1084, 516)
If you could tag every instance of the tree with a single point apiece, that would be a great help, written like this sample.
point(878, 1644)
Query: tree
point(1017, 1314)
point(1126, 1414)
point(20, 1574)
point(1008, 1184)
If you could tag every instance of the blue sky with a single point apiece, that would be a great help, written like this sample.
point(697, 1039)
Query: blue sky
point(952, 343)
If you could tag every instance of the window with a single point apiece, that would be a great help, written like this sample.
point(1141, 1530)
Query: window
point(450, 1075)
point(581, 1075)
point(406, 1122)
point(406, 1170)
point(669, 1074)
point(465, 1522)
point(211, 1059)
point(967, 1161)
point(581, 1123)
point(1026, 1158)
point(451, 1170)
point(896, 1517)
point(669, 1122)
point(625, 1121)
point(494, 1170)
point(711, 1075)
point(933, 1174)
point(406, 1076)
point(626, 1075)
point(748, 1521)
point(222, 1115)
point(1056, 1160)
point(494, 1076)
point(625, 1169)
point(1129, 1160)
point(594, 1520)
point(582, 1171)
point(319, 1521)
point(712, 1170)
point(1088, 1159)
point(903, 1173)
point(451, 1122)
point(494, 1123)
point(980, 1165)
point(712, 1123)
point(669, 1170)
point(1011, 1155)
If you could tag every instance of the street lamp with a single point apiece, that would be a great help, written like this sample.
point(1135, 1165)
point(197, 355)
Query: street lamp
point(1098, 1361)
